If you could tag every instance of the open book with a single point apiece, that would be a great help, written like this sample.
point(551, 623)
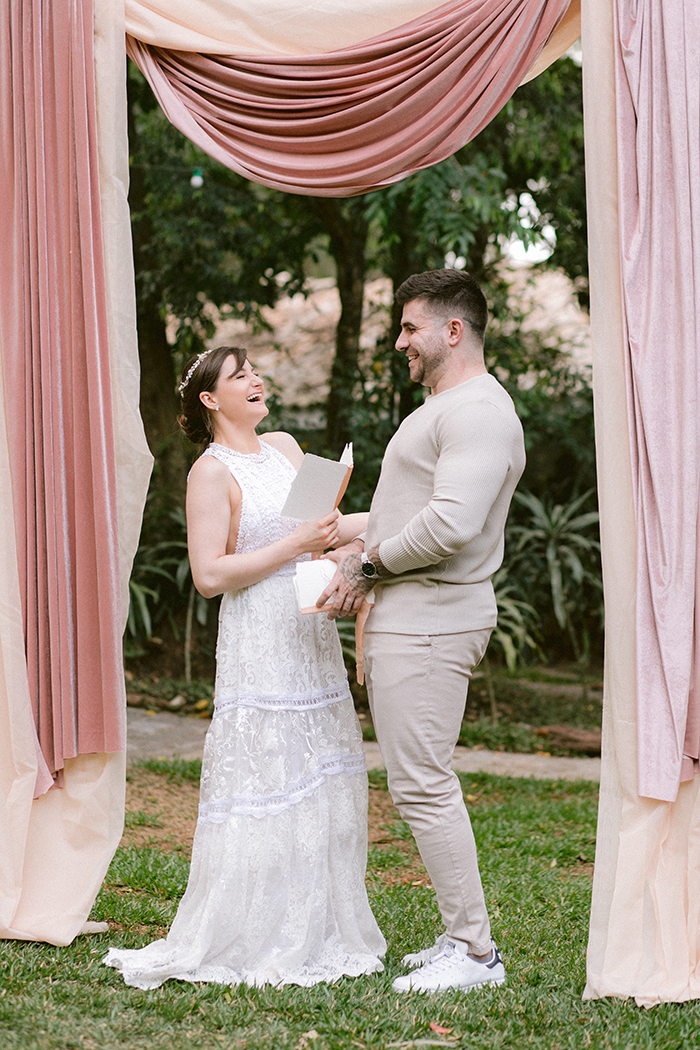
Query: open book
point(319, 486)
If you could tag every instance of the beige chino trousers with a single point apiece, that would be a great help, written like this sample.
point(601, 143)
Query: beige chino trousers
point(417, 687)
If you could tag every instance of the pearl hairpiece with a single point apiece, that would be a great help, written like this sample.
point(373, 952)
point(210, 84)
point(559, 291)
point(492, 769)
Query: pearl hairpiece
point(193, 368)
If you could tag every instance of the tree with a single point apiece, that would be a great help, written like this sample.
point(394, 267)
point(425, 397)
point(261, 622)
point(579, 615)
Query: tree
point(215, 238)
point(346, 225)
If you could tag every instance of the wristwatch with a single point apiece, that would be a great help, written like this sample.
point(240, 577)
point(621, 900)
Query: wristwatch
point(368, 568)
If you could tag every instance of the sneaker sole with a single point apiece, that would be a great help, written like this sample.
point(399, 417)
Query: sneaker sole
point(453, 987)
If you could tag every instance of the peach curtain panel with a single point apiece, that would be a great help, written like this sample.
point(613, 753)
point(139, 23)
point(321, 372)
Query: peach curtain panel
point(348, 121)
point(68, 338)
point(644, 936)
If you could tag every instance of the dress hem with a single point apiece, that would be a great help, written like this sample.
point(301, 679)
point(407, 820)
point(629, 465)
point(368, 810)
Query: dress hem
point(204, 975)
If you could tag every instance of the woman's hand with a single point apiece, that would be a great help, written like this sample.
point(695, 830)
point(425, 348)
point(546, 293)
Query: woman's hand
point(318, 535)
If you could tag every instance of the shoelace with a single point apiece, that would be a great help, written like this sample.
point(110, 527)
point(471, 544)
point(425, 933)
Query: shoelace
point(427, 954)
point(449, 953)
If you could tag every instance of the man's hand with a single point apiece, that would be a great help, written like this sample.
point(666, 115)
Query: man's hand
point(348, 588)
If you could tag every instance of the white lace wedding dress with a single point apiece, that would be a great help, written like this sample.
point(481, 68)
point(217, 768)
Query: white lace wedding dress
point(276, 892)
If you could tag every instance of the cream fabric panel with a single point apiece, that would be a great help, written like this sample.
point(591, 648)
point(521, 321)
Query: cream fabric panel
point(72, 835)
point(644, 936)
point(267, 27)
point(134, 460)
point(18, 748)
point(283, 27)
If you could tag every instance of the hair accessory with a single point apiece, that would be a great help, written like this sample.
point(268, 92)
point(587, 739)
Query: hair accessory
point(193, 368)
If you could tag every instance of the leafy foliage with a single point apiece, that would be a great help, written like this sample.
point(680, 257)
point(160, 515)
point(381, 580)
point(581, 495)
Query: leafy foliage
point(557, 548)
point(161, 584)
point(515, 634)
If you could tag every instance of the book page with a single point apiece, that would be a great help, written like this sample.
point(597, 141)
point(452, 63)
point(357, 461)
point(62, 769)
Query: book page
point(311, 578)
point(318, 486)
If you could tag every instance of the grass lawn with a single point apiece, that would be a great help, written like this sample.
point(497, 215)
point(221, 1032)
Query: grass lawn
point(536, 842)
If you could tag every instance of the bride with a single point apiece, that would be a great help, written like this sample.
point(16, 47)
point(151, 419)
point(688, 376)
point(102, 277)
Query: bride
point(276, 892)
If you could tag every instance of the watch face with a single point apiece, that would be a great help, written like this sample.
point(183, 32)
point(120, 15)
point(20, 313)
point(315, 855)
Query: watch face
point(369, 570)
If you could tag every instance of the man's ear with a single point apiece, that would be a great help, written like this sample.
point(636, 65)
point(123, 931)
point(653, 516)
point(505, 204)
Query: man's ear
point(455, 330)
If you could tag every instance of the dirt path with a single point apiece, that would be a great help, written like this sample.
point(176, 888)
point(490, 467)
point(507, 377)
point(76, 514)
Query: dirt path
point(165, 735)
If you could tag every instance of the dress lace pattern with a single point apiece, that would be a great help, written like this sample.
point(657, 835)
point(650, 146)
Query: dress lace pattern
point(276, 892)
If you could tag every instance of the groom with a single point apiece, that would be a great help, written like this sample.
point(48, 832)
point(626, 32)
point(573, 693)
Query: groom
point(433, 541)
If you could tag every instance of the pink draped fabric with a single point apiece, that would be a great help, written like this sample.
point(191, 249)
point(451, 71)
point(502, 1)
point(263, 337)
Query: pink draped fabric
point(343, 123)
point(55, 359)
point(658, 117)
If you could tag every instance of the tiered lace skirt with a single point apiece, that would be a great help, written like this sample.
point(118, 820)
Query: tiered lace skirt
point(276, 892)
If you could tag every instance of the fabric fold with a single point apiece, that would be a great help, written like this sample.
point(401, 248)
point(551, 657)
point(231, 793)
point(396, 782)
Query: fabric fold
point(644, 938)
point(657, 87)
point(345, 122)
point(56, 362)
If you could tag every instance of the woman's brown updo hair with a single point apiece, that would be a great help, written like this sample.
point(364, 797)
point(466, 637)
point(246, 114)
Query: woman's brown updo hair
point(195, 421)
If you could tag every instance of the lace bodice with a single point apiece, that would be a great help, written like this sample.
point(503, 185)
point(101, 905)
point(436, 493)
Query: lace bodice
point(264, 478)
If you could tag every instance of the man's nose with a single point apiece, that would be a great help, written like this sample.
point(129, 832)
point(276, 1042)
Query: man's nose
point(402, 342)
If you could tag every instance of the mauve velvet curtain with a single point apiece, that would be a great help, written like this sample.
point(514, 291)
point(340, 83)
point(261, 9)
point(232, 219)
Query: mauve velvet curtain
point(346, 122)
point(56, 366)
point(657, 73)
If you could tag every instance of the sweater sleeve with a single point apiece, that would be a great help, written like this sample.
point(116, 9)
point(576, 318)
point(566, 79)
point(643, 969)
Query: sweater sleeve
point(474, 457)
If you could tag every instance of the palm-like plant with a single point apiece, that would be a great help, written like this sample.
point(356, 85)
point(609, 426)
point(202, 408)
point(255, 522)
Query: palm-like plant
point(514, 634)
point(558, 547)
point(161, 581)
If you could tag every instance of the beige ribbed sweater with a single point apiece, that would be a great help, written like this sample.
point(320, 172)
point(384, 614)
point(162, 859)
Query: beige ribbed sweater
point(440, 508)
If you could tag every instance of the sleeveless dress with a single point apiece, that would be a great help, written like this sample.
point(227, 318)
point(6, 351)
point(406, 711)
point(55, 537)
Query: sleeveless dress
point(276, 891)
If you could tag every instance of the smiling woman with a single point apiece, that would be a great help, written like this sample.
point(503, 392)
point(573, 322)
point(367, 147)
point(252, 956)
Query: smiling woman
point(201, 374)
point(276, 891)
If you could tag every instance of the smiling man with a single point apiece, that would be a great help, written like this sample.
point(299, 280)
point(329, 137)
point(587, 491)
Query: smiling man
point(433, 541)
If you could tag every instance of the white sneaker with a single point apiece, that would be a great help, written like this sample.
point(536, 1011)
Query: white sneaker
point(414, 959)
point(452, 968)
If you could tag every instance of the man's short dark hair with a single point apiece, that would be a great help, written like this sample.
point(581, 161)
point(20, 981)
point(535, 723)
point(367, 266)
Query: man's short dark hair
point(451, 292)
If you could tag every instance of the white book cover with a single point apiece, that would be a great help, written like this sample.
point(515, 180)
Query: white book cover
point(318, 487)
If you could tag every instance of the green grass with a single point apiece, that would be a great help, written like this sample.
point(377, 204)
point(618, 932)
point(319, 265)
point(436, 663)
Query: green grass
point(577, 702)
point(536, 843)
point(500, 736)
point(175, 769)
